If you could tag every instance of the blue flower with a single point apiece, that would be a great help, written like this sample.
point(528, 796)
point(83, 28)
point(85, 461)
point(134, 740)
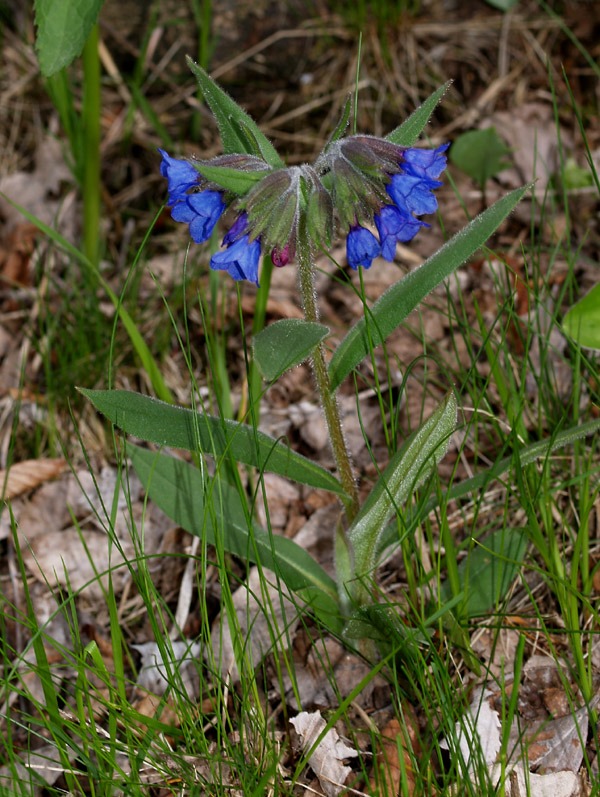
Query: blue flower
point(413, 194)
point(201, 211)
point(361, 247)
point(181, 176)
point(237, 229)
point(425, 162)
point(240, 259)
point(393, 225)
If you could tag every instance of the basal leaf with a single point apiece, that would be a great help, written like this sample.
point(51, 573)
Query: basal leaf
point(401, 299)
point(213, 507)
point(286, 343)
point(486, 574)
point(234, 123)
point(405, 471)
point(525, 456)
point(177, 427)
point(582, 322)
point(62, 29)
point(409, 131)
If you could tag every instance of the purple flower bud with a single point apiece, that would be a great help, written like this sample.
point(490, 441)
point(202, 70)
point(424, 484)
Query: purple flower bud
point(181, 176)
point(361, 247)
point(281, 257)
point(393, 225)
point(239, 260)
point(201, 211)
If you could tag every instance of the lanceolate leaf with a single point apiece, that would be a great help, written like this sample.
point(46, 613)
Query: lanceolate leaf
point(214, 508)
point(525, 456)
point(409, 131)
point(149, 419)
point(234, 123)
point(62, 30)
point(401, 299)
point(406, 470)
point(286, 343)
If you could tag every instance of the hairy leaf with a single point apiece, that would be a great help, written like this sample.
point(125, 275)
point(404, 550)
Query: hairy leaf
point(177, 427)
point(62, 30)
point(286, 343)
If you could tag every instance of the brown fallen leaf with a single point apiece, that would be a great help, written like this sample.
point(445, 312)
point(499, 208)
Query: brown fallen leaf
point(388, 760)
point(27, 475)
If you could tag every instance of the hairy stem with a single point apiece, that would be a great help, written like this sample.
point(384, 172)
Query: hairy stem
point(319, 366)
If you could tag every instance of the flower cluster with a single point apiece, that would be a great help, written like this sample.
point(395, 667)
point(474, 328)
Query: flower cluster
point(366, 180)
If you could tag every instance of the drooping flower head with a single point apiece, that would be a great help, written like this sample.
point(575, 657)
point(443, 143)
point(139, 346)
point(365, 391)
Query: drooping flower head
point(364, 181)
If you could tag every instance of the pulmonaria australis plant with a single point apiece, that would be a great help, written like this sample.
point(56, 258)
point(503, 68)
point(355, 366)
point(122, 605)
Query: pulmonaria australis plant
point(360, 180)
point(374, 192)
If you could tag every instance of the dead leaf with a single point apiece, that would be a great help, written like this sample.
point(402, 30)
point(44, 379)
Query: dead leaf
point(557, 784)
point(397, 734)
point(556, 745)
point(478, 730)
point(326, 759)
point(153, 675)
point(27, 475)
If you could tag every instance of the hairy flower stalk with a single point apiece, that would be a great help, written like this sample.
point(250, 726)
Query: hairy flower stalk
point(329, 402)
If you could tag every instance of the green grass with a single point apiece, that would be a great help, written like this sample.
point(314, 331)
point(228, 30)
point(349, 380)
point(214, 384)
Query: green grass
point(79, 697)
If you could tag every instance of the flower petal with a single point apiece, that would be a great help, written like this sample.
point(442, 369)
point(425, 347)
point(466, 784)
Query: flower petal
point(180, 174)
point(361, 247)
point(240, 260)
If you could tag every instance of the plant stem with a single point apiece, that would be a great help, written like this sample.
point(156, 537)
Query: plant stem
point(319, 366)
point(91, 165)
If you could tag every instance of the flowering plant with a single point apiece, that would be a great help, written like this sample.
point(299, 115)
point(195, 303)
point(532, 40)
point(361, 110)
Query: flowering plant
point(374, 191)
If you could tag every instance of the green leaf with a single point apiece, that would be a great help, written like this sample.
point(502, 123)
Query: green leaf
point(406, 470)
point(525, 456)
point(479, 154)
point(231, 179)
point(409, 131)
point(401, 299)
point(177, 427)
point(239, 132)
point(286, 343)
point(214, 508)
point(62, 29)
point(488, 571)
point(582, 321)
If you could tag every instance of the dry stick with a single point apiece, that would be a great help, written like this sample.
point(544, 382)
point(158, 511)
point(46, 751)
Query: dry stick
point(319, 367)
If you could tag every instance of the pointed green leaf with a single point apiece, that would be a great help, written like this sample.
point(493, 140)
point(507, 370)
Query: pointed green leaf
point(164, 424)
point(341, 125)
point(582, 321)
point(215, 508)
point(409, 131)
point(234, 180)
point(486, 574)
point(235, 126)
point(401, 299)
point(405, 471)
point(62, 30)
point(286, 343)
point(480, 481)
